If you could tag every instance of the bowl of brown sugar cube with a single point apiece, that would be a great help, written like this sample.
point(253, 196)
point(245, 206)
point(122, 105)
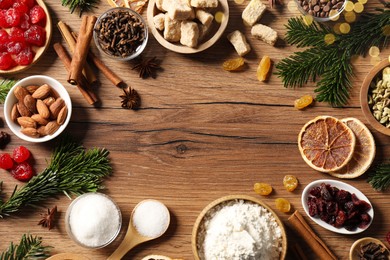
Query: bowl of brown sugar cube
point(187, 26)
point(322, 10)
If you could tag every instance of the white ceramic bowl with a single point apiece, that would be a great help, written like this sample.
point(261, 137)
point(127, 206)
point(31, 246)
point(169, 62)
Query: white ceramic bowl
point(340, 185)
point(11, 100)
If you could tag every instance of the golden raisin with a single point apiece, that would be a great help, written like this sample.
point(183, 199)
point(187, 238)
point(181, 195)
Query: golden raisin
point(233, 64)
point(263, 68)
point(262, 188)
point(303, 102)
point(290, 182)
point(282, 205)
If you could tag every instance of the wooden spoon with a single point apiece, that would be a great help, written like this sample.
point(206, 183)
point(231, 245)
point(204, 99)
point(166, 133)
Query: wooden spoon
point(133, 237)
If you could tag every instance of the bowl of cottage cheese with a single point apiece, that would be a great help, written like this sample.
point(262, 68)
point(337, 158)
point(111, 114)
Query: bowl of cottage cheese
point(238, 227)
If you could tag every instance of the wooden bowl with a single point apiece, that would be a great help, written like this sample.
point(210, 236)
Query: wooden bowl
point(233, 198)
point(354, 251)
point(375, 71)
point(38, 50)
point(212, 36)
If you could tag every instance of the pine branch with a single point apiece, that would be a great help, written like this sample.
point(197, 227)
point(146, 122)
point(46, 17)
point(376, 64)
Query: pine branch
point(5, 86)
point(80, 5)
point(379, 178)
point(29, 248)
point(72, 171)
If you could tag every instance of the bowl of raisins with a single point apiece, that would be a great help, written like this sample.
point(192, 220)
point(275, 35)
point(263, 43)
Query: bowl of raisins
point(337, 206)
point(25, 33)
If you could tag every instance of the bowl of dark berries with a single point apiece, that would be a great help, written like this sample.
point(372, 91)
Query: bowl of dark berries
point(322, 10)
point(337, 206)
point(121, 33)
point(25, 33)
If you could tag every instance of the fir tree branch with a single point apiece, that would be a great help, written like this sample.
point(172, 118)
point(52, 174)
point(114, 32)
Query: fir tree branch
point(379, 178)
point(29, 248)
point(5, 86)
point(80, 5)
point(72, 171)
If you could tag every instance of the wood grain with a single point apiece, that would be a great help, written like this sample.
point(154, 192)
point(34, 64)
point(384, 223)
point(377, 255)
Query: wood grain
point(200, 134)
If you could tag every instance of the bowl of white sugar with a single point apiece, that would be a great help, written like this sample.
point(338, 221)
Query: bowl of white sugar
point(93, 220)
point(238, 227)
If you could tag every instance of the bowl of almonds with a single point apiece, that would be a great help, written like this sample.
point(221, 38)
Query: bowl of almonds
point(37, 108)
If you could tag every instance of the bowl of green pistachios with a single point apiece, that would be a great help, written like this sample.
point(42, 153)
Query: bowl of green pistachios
point(375, 97)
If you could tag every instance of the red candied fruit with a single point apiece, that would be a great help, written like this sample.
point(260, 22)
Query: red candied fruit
point(12, 18)
point(21, 154)
point(6, 161)
point(3, 40)
point(22, 171)
point(38, 15)
point(25, 22)
point(6, 61)
point(16, 34)
point(35, 35)
point(25, 57)
point(29, 3)
point(20, 7)
point(5, 4)
point(15, 47)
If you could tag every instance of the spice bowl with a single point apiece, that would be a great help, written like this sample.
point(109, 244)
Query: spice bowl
point(213, 225)
point(358, 244)
point(322, 11)
point(121, 33)
point(369, 83)
point(93, 220)
point(58, 92)
point(211, 35)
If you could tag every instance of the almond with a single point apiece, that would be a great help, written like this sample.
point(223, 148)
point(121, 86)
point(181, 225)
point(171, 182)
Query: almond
point(48, 101)
point(22, 109)
point(62, 115)
point(30, 103)
point(42, 109)
point(42, 92)
point(14, 113)
point(39, 119)
point(32, 132)
point(20, 92)
point(42, 130)
point(31, 89)
point(26, 122)
point(56, 107)
point(51, 127)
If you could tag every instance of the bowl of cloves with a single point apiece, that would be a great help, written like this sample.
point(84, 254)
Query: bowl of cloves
point(121, 33)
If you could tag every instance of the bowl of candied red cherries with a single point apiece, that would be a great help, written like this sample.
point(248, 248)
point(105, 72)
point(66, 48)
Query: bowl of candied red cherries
point(18, 164)
point(25, 33)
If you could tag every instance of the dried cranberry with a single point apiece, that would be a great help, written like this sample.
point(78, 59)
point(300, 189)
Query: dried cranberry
point(351, 224)
point(12, 18)
point(20, 7)
point(313, 210)
point(6, 61)
point(25, 57)
point(21, 154)
point(38, 15)
point(6, 161)
point(5, 4)
point(340, 219)
point(349, 207)
point(343, 196)
point(22, 171)
point(325, 194)
point(315, 191)
point(332, 208)
point(35, 35)
point(364, 220)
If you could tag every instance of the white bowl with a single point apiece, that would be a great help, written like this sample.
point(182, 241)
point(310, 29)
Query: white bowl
point(340, 185)
point(11, 100)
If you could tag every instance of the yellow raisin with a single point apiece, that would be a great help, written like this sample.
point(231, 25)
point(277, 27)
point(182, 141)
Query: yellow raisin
point(290, 182)
point(283, 205)
point(262, 188)
point(303, 102)
point(263, 68)
point(233, 64)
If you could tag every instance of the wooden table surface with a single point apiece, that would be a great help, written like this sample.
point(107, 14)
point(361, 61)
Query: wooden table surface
point(200, 134)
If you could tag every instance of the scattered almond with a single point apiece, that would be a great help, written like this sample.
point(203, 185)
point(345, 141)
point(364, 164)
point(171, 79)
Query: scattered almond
point(31, 89)
point(30, 103)
point(14, 113)
point(42, 92)
point(48, 101)
point(27, 122)
point(22, 109)
point(42, 109)
point(56, 107)
point(42, 130)
point(20, 92)
point(32, 132)
point(62, 115)
point(51, 127)
point(39, 119)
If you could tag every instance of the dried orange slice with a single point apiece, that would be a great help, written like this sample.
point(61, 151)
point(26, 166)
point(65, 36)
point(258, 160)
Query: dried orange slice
point(326, 144)
point(364, 153)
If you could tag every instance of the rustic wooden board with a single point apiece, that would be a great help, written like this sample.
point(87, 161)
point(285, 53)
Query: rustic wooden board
point(201, 133)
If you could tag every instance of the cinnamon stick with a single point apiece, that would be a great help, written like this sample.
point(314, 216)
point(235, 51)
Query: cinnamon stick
point(314, 242)
point(107, 72)
point(71, 41)
point(81, 49)
point(82, 85)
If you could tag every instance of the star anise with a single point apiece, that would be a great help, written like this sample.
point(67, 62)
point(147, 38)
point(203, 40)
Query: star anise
point(147, 67)
point(130, 98)
point(48, 218)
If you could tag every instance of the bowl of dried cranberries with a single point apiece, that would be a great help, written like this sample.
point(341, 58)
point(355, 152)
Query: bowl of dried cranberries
point(25, 33)
point(337, 206)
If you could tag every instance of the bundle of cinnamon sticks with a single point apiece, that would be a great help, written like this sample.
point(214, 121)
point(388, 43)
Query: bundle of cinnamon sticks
point(80, 74)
